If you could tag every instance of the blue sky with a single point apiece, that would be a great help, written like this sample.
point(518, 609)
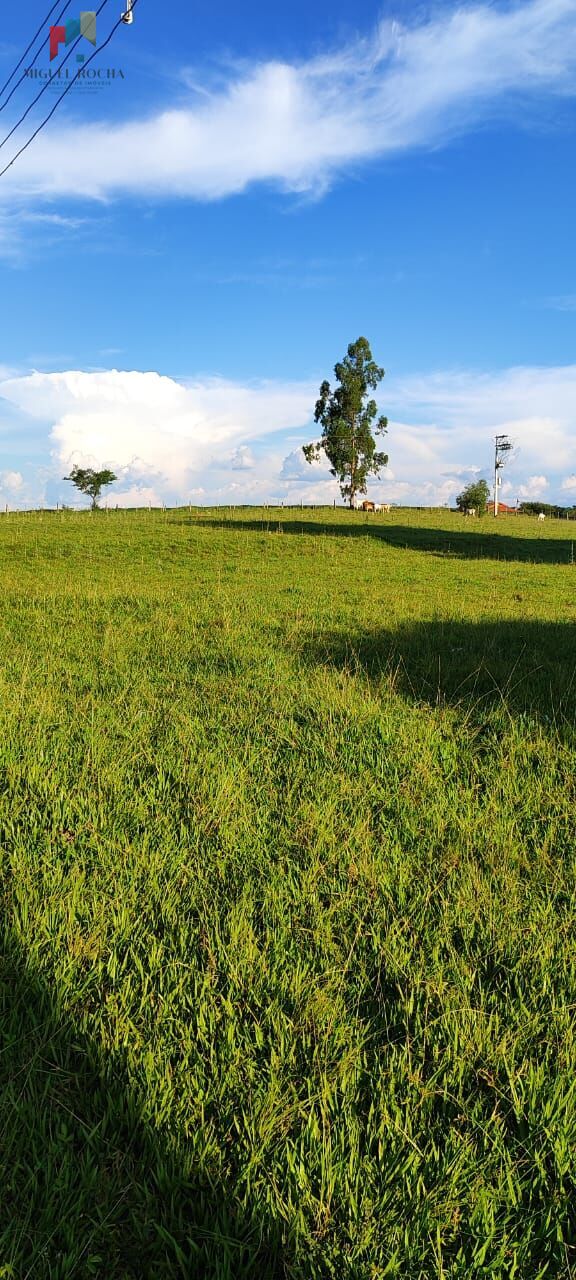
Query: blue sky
point(188, 248)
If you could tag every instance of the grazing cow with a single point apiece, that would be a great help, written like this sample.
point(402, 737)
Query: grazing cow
point(365, 504)
point(541, 515)
point(470, 511)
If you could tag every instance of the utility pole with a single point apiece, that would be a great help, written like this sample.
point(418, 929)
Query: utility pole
point(128, 16)
point(502, 446)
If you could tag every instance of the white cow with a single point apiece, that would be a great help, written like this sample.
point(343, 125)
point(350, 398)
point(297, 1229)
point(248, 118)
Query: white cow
point(470, 511)
point(541, 515)
point(358, 504)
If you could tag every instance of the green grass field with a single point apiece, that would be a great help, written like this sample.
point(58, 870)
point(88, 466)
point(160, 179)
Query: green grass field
point(287, 850)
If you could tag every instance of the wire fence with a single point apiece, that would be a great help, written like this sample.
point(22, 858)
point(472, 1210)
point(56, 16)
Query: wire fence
point(109, 506)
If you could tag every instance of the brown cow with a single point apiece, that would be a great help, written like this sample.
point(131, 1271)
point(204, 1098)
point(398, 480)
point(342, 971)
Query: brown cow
point(367, 506)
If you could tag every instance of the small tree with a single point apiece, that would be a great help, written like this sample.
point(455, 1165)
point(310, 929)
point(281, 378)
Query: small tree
point(91, 482)
point(346, 417)
point(475, 496)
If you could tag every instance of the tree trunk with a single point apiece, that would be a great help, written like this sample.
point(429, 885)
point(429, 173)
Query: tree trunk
point(353, 468)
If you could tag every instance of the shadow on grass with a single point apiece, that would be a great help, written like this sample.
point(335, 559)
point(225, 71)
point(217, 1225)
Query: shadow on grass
point(524, 667)
point(87, 1187)
point(461, 542)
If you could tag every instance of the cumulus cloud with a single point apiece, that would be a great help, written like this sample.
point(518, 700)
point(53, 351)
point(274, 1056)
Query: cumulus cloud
point(534, 405)
point(535, 487)
point(295, 467)
point(300, 124)
point(157, 434)
point(221, 441)
point(11, 481)
point(442, 427)
point(13, 489)
point(131, 496)
point(242, 459)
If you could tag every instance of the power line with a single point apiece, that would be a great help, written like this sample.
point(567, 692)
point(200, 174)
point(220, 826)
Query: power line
point(27, 51)
point(48, 83)
point(67, 89)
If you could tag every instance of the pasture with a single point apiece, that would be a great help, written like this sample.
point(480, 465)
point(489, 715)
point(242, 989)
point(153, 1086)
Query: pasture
point(287, 859)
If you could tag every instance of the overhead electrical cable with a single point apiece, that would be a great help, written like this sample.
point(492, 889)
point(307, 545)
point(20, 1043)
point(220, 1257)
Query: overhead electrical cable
point(66, 90)
point(27, 51)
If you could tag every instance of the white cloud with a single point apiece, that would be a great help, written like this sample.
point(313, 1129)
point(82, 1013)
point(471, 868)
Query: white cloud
point(535, 406)
point(242, 459)
point(439, 417)
point(152, 430)
point(23, 230)
point(132, 496)
point(11, 482)
point(299, 125)
point(535, 487)
point(295, 467)
point(170, 441)
point(13, 490)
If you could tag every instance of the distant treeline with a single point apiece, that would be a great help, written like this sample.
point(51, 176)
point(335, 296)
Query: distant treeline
point(548, 509)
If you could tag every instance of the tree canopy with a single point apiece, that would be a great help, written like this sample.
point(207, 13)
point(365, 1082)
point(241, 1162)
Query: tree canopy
point(474, 496)
point(548, 508)
point(91, 482)
point(346, 415)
